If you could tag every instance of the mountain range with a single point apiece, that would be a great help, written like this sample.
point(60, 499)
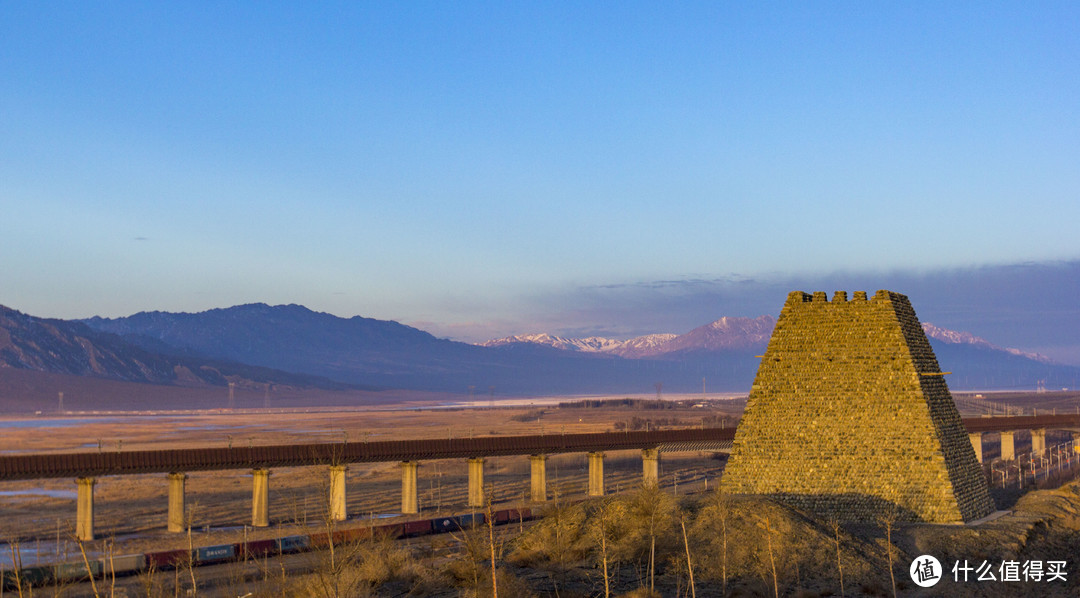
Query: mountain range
point(259, 345)
point(725, 334)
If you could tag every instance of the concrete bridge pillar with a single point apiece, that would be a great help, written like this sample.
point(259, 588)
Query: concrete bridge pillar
point(976, 443)
point(260, 498)
point(650, 466)
point(596, 474)
point(538, 480)
point(177, 482)
point(410, 504)
point(1038, 441)
point(84, 509)
point(337, 493)
point(1008, 446)
point(476, 482)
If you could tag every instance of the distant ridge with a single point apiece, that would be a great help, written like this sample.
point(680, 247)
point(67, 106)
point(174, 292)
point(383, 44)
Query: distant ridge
point(74, 348)
point(382, 353)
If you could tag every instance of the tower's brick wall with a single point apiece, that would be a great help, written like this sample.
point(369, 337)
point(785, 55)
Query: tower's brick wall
point(849, 416)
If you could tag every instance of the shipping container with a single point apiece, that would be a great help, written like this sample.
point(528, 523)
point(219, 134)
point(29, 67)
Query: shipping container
point(259, 548)
point(392, 531)
point(471, 519)
point(348, 536)
point(216, 554)
point(167, 559)
point(457, 522)
point(125, 564)
point(411, 529)
point(35, 576)
point(77, 571)
point(293, 544)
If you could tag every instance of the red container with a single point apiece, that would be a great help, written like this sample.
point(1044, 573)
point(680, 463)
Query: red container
point(258, 548)
point(167, 559)
point(390, 530)
point(348, 536)
point(506, 516)
point(320, 540)
point(416, 528)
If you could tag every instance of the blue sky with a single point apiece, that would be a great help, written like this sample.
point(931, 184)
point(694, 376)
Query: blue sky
point(482, 169)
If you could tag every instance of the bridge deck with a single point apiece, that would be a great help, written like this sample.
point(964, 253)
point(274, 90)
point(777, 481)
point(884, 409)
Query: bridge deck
point(90, 464)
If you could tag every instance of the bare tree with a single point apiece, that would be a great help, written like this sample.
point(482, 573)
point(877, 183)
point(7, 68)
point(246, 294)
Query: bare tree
point(491, 543)
point(86, 563)
point(839, 564)
point(689, 559)
point(888, 521)
point(765, 524)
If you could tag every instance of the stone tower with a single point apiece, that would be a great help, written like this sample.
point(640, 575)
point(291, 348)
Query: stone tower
point(850, 417)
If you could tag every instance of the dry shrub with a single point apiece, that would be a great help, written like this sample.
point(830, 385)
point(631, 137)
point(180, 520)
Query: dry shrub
point(557, 541)
point(799, 543)
point(361, 568)
point(472, 567)
point(379, 560)
point(509, 586)
point(643, 524)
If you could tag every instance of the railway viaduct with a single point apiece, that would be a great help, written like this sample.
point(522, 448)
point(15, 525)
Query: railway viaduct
point(85, 467)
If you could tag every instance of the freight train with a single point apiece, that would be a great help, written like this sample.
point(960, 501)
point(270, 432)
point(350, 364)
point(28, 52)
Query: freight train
point(133, 564)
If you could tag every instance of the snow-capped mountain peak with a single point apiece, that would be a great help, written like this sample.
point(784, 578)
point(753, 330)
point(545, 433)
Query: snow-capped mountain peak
point(953, 337)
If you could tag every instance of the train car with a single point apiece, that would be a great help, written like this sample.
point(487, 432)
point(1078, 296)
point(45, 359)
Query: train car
point(77, 571)
point(215, 554)
point(470, 520)
point(441, 525)
point(126, 564)
point(319, 540)
point(167, 559)
point(258, 548)
point(290, 544)
point(457, 522)
point(512, 516)
point(35, 576)
point(411, 529)
point(349, 536)
point(391, 531)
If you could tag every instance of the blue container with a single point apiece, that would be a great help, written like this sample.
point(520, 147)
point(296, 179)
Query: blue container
point(216, 554)
point(293, 544)
point(457, 522)
point(445, 524)
point(471, 519)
